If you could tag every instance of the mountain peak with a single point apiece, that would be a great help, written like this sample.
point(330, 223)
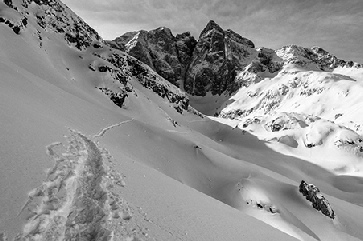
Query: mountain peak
point(211, 25)
point(324, 60)
point(162, 30)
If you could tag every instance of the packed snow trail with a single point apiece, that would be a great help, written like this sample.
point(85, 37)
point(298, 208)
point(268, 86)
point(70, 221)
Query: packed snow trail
point(75, 201)
point(104, 130)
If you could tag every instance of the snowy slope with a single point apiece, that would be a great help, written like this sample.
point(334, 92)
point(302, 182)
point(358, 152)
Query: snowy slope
point(137, 163)
point(305, 104)
point(310, 109)
point(50, 85)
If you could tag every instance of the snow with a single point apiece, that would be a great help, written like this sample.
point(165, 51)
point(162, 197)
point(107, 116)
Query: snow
point(158, 174)
point(46, 91)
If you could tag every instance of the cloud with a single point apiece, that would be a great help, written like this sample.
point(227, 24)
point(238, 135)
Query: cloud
point(332, 24)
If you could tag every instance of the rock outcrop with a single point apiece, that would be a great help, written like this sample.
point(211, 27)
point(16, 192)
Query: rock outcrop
point(312, 193)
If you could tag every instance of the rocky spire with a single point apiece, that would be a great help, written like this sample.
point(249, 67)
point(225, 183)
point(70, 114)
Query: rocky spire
point(216, 59)
point(211, 25)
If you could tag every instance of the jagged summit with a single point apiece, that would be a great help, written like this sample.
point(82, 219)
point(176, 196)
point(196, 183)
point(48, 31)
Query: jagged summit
point(221, 60)
point(323, 60)
point(207, 65)
point(217, 58)
point(168, 55)
point(211, 25)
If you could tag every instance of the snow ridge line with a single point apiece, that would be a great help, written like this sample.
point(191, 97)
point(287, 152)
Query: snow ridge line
point(72, 203)
point(104, 130)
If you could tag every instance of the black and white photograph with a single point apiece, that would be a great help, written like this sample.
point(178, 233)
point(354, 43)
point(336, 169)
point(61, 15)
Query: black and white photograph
point(190, 120)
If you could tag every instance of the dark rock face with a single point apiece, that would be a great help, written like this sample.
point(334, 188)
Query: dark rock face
point(221, 61)
point(312, 193)
point(185, 44)
point(120, 42)
point(9, 3)
point(164, 54)
point(125, 67)
point(267, 58)
point(158, 49)
point(151, 81)
point(209, 65)
point(217, 57)
point(118, 98)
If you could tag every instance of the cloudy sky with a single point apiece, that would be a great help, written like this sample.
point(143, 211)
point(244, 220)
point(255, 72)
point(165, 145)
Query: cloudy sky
point(335, 25)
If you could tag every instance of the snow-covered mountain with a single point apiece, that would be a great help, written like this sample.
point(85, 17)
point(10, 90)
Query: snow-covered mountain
point(314, 101)
point(96, 145)
point(220, 61)
point(292, 84)
point(207, 65)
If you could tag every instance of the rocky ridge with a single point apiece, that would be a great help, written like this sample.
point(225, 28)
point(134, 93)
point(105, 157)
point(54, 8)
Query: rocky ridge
point(207, 65)
point(49, 15)
point(43, 18)
point(221, 61)
point(169, 56)
point(217, 58)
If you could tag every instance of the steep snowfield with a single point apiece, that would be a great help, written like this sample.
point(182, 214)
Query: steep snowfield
point(149, 170)
point(312, 115)
point(315, 115)
point(54, 191)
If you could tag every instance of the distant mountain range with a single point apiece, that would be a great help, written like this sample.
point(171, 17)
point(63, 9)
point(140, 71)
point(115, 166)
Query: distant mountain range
point(213, 62)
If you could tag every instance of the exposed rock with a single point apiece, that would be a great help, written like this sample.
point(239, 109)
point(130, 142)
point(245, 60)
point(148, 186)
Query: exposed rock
point(156, 48)
point(209, 65)
point(153, 82)
point(9, 3)
point(116, 97)
point(104, 69)
point(50, 15)
point(317, 56)
point(276, 127)
point(221, 61)
point(217, 57)
point(269, 59)
point(185, 44)
point(312, 193)
point(16, 29)
point(120, 42)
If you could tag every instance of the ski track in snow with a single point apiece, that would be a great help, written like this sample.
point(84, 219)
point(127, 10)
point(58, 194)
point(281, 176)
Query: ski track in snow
point(104, 130)
point(76, 201)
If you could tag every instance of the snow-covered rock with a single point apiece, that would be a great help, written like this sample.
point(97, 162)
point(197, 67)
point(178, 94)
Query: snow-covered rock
point(313, 57)
point(221, 61)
